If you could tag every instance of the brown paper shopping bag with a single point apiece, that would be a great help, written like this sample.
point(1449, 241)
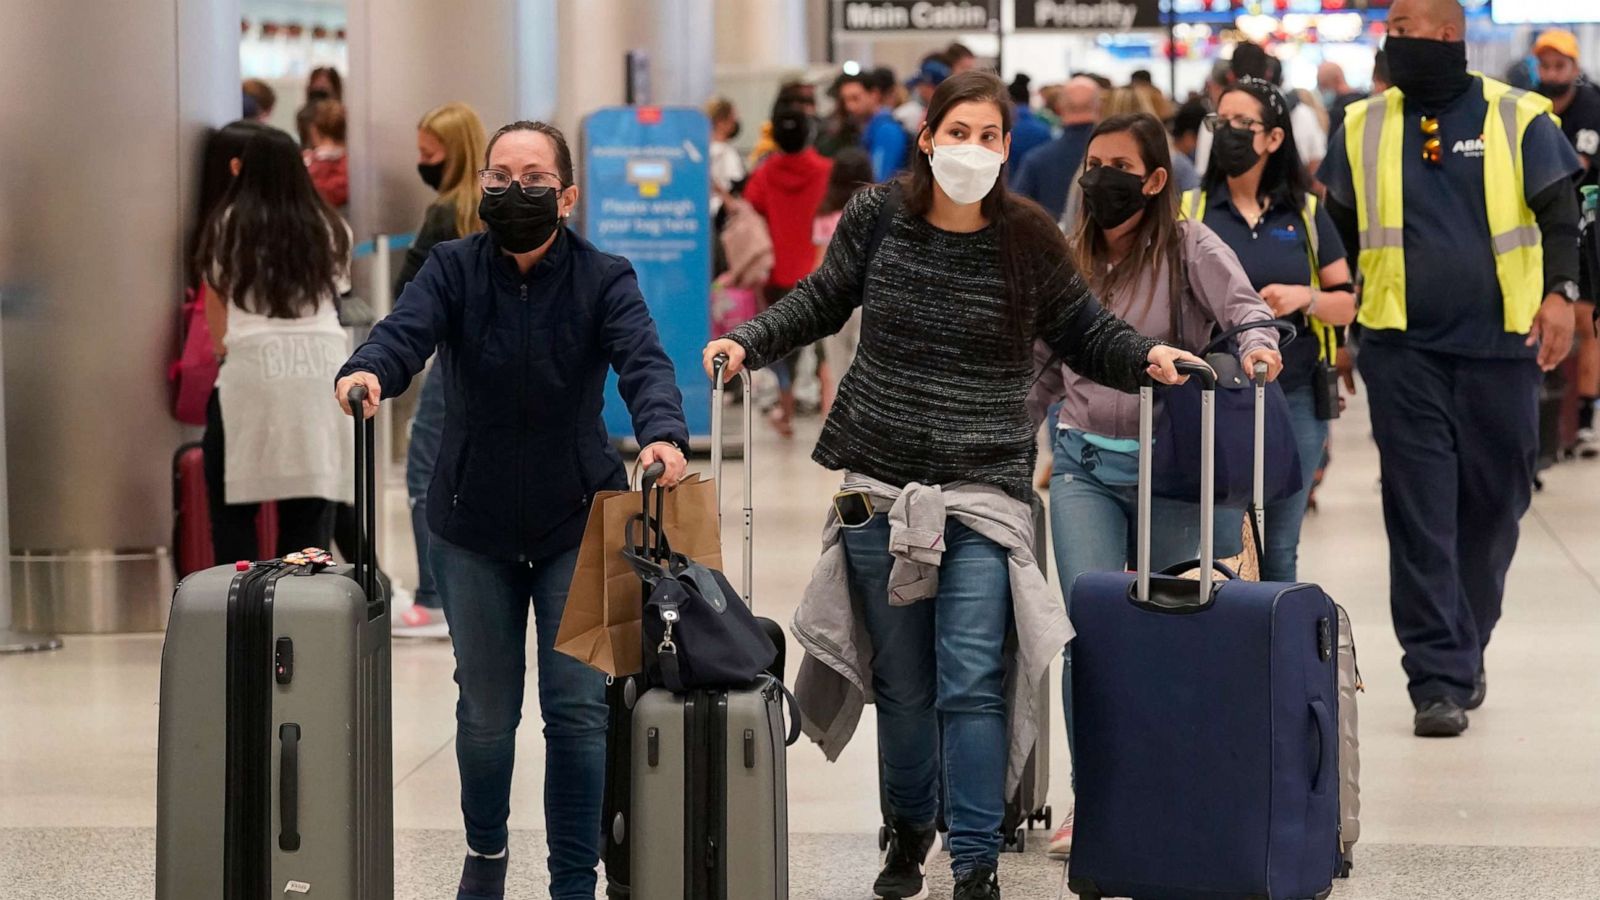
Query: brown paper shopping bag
point(600, 625)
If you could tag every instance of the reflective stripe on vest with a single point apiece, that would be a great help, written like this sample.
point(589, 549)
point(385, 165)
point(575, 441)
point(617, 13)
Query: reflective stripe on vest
point(1193, 206)
point(1375, 145)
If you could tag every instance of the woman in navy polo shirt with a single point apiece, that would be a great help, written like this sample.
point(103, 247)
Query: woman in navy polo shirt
point(1257, 198)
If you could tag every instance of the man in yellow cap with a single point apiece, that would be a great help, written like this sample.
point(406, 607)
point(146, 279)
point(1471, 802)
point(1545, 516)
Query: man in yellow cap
point(1458, 191)
point(1577, 102)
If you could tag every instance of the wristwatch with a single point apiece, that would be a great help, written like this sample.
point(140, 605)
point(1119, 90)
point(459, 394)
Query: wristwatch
point(1567, 288)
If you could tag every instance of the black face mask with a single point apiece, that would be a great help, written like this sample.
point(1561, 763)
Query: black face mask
point(521, 221)
point(432, 174)
point(1429, 73)
point(1112, 196)
point(1555, 90)
point(737, 126)
point(1233, 151)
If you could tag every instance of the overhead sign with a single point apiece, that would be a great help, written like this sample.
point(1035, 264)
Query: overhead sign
point(1086, 15)
point(915, 15)
point(647, 197)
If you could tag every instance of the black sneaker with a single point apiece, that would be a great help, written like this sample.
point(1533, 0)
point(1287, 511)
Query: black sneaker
point(982, 883)
point(483, 878)
point(904, 865)
point(1439, 718)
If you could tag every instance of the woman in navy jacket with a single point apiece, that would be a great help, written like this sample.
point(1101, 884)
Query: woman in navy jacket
point(527, 318)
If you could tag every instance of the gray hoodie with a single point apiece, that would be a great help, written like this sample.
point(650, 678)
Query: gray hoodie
point(1219, 294)
point(835, 680)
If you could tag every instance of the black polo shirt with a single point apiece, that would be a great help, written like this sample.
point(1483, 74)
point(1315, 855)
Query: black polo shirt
point(1274, 252)
point(1581, 124)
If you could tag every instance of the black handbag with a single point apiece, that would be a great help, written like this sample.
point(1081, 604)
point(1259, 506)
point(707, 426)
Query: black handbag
point(697, 632)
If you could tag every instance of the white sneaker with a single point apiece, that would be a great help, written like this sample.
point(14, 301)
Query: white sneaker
point(413, 621)
point(1061, 841)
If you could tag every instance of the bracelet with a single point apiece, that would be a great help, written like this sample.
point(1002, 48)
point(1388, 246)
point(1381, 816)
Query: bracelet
point(1311, 308)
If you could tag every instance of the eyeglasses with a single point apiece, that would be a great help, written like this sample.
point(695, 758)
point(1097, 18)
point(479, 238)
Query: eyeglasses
point(1432, 149)
point(1215, 122)
point(494, 181)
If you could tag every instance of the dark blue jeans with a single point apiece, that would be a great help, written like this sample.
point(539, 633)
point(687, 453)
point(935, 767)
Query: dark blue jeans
point(938, 673)
point(486, 602)
point(427, 430)
point(1458, 439)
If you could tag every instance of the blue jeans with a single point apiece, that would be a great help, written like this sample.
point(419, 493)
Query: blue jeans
point(1093, 529)
point(938, 672)
point(1281, 559)
point(486, 602)
point(427, 430)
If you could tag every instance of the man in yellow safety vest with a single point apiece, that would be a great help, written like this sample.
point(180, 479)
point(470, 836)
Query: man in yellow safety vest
point(1457, 189)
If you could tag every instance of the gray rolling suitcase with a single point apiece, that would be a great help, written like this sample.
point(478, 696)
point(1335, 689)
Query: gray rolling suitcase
point(709, 780)
point(274, 762)
point(1349, 746)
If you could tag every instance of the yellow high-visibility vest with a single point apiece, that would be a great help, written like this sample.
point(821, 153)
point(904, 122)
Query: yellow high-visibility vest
point(1194, 207)
point(1374, 133)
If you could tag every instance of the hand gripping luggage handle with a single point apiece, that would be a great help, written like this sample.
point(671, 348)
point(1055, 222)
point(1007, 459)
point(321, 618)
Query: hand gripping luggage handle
point(366, 561)
point(719, 365)
point(1208, 476)
point(289, 787)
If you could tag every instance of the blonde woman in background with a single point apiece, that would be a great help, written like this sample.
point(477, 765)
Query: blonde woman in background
point(727, 168)
point(450, 147)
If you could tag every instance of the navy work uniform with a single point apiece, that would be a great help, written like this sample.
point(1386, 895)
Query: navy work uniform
point(1453, 265)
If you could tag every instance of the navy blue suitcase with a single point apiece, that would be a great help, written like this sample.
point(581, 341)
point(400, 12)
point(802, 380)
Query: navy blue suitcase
point(1207, 721)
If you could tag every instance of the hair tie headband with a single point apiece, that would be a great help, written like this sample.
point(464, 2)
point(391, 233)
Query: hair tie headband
point(1269, 94)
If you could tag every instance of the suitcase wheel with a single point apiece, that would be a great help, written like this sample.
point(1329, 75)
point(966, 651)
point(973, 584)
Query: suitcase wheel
point(883, 838)
point(1043, 817)
point(1016, 841)
point(1346, 866)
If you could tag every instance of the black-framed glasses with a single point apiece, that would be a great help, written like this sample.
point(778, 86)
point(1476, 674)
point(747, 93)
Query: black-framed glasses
point(495, 181)
point(1432, 147)
point(1217, 122)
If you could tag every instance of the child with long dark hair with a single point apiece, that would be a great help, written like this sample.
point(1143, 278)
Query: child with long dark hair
point(275, 256)
point(931, 540)
point(852, 173)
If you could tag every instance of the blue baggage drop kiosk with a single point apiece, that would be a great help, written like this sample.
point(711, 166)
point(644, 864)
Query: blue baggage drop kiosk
point(647, 196)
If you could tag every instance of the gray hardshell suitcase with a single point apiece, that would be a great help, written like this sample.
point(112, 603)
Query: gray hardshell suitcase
point(1349, 746)
point(274, 761)
point(710, 804)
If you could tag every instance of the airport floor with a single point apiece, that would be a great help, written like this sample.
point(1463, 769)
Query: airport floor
point(1512, 808)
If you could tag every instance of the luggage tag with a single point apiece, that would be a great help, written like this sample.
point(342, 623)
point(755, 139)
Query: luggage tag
point(309, 561)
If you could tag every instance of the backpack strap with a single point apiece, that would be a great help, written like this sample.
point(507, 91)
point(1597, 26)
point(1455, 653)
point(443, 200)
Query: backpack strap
point(880, 229)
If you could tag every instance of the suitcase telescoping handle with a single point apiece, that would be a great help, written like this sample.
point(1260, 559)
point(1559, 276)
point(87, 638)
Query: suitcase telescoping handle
point(719, 365)
point(1208, 474)
point(366, 561)
point(1258, 490)
point(652, 524)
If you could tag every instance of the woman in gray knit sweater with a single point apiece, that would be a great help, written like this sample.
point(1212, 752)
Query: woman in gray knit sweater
point(961, 281)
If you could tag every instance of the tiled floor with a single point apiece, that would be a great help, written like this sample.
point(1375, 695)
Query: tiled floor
point(1513, 807)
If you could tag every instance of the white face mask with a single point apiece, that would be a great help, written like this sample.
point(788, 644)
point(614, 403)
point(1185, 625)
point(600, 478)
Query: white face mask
point(967, 172)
